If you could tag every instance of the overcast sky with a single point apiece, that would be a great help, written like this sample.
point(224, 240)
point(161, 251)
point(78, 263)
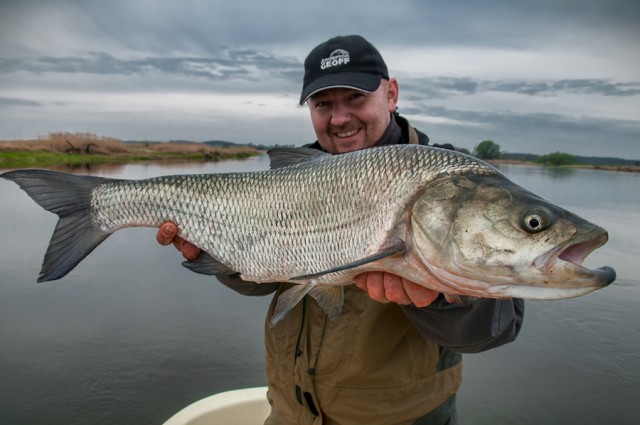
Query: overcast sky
point(534, 76)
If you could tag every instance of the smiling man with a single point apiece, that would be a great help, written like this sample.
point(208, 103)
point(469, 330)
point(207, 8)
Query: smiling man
point(351, 103)
point(392, 356)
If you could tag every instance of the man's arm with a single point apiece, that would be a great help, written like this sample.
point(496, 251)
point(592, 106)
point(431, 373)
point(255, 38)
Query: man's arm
point(485, 324)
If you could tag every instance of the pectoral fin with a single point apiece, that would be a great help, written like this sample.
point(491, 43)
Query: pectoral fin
point(398, 247)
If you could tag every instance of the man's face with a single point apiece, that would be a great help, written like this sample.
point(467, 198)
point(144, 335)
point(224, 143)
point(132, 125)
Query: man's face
point(347, 120)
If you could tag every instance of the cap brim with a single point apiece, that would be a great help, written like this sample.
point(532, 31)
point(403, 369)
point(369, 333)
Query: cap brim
point(351, 80)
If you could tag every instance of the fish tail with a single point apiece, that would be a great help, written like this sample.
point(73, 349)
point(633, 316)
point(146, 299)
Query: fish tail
point(68, 196)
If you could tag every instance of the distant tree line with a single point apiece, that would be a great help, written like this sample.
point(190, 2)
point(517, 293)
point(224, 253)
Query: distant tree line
point(262, 147)
point(488, 150)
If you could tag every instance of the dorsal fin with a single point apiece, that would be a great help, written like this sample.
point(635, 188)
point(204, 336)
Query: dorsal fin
point(284, 157)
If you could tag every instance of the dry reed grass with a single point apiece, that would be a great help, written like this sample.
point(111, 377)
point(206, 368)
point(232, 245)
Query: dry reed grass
point(195, 148)
point(83, 143)
point(89, 143)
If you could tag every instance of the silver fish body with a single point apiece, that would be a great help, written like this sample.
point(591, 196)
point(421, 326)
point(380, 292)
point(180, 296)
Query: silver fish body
point(438, 217)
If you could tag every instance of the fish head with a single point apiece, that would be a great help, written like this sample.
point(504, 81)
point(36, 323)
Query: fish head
point(483, 235)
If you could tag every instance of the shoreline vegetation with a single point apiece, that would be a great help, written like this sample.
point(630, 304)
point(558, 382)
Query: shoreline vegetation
point(74, 150)
point(78, 149)
point(605, 167)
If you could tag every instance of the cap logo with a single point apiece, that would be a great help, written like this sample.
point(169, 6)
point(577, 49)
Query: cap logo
point(337, 57)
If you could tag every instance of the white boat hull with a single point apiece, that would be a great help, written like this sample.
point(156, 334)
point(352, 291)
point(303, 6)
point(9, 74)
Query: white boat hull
point(247, 406)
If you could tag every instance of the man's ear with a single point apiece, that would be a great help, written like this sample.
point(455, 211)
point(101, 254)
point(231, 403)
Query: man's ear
point(392, 94)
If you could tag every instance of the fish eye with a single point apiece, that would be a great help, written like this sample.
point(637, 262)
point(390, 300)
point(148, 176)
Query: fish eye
point(536, 220)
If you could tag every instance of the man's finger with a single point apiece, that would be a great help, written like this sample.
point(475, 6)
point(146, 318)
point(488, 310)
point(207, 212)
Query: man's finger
point(419, 295)
point(361, 281)
point(166, 233)
point(394, 290)
point(375, 287)
point(190, 251)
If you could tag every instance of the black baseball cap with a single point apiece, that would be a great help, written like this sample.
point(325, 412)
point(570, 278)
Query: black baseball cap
point(344, 61)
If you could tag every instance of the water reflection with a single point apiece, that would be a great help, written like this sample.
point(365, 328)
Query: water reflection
point(107, 169)
point(552, 172)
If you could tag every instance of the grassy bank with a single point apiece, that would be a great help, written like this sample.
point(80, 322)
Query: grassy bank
point(84, 148)
point(622, 168)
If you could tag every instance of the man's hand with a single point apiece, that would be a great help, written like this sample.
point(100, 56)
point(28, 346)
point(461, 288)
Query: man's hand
point(386, 287)
point(168, 233)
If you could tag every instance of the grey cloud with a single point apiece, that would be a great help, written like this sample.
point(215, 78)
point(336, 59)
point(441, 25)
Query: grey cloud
point(529, 121)
point(444, 87)
point(437, 87)
point(199, 26)
point(234, 64)
point(8, 102)
point(538, 130)
point(578, 86)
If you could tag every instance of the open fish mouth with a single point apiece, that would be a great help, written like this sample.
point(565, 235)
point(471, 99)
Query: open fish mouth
point(564, 276)
point(566, 260)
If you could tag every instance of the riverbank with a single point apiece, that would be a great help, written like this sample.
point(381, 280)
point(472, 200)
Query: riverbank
point(622, 168)
point(72, 149)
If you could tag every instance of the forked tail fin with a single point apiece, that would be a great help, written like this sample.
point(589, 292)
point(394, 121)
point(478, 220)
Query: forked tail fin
point(68, 196)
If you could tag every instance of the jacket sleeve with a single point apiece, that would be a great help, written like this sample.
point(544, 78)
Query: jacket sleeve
point(247, 288)
point(485, 324)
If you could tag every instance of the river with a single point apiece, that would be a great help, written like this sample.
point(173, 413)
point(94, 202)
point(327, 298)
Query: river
point(131, 337)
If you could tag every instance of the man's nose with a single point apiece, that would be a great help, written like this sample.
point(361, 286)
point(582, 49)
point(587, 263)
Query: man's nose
point(340, 115)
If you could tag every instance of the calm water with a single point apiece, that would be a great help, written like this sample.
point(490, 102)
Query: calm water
point(130, 337)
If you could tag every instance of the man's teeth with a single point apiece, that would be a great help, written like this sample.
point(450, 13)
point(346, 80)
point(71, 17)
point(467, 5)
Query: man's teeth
point(347, 133)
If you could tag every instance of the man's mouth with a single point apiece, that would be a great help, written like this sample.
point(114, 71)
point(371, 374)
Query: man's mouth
point(345, 134)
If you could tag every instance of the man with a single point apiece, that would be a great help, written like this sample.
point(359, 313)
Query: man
point(391, 357)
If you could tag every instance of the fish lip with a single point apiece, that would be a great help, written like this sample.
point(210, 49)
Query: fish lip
point(573, 253)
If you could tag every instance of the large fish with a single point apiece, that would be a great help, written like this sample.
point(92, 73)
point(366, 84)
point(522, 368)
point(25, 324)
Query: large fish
point(439, 218)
